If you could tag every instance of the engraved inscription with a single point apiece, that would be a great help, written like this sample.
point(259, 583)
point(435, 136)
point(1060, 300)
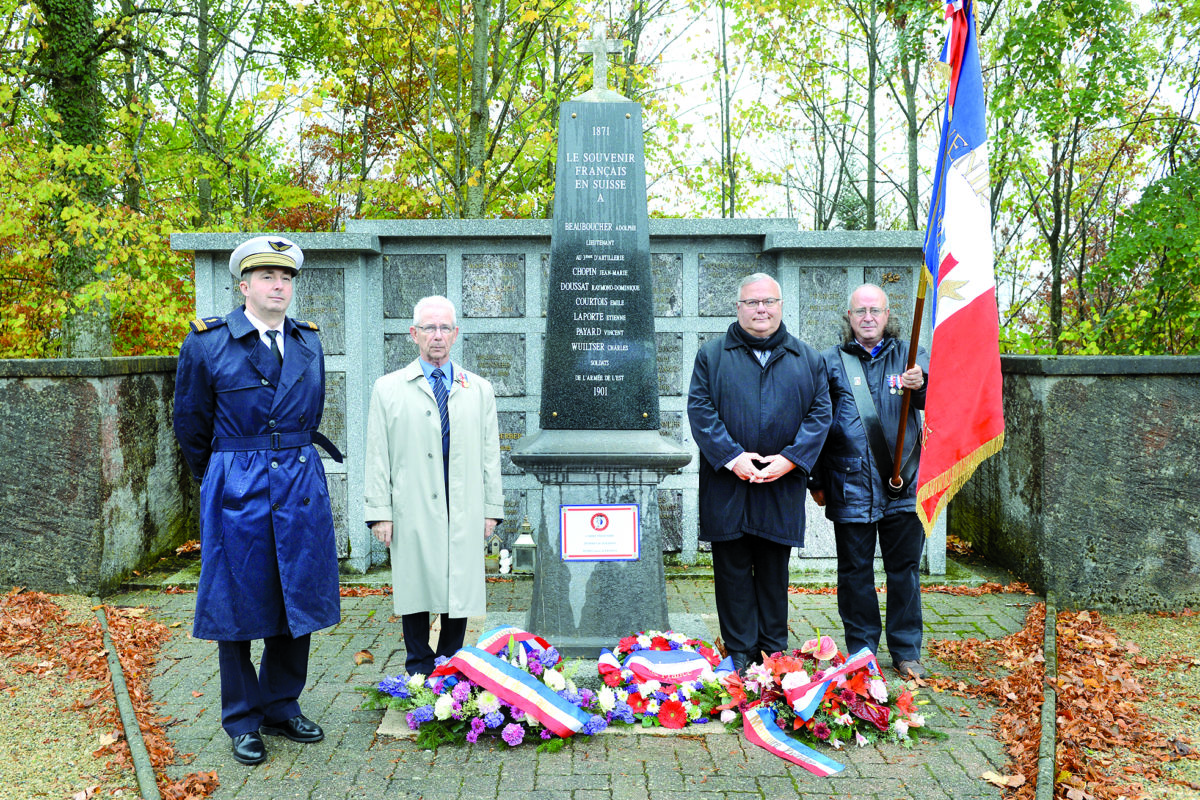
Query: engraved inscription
point(720, 274)
point(408, 278)
point(499, 357)
point(493, 285)
point(667, 269)
point(670, 362)
point(512, 430)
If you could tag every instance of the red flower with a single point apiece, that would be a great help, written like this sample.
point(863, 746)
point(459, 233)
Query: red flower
point(637, 703)
point(905, 702)
point(710, 654)
point(659, 643)
point(671, 714)
point(626, 645)
point(859, 682)
point(613, 678)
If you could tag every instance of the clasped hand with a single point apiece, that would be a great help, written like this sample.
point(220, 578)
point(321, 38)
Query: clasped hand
point(761, 469)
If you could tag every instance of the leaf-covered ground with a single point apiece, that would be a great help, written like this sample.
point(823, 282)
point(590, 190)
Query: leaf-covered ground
point(1127, 700)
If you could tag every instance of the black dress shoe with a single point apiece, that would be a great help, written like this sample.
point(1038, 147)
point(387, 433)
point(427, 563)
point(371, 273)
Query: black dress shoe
point(740, 661)
point(249, 748)
point(299, 729)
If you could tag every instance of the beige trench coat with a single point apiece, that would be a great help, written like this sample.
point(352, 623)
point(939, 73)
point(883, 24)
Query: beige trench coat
point(437, 560)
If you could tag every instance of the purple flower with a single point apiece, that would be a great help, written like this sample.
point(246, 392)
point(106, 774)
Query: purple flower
point(396, 687)
point(472, 736)
point(549, 657)
point(536, 668)
point(623, 712)
point(477, 725)
point(419, 716)
point(545, 734)
point(586, 696)
point(821, 731)
point(512, 734)
point(570, 695)
point(516, 713)
point(494, 719)
point(437, 662)
point(461, 691)
point(594, 725)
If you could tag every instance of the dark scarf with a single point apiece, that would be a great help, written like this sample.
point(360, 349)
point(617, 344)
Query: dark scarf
point(775, 340)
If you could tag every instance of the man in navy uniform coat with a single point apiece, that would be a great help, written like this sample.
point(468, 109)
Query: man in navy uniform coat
point(249, 394)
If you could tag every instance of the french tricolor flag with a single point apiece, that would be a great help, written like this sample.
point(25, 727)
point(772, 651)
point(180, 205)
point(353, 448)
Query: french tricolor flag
point(964, 411)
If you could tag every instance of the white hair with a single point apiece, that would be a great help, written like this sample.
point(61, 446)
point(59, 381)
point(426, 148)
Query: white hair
point(433, 300)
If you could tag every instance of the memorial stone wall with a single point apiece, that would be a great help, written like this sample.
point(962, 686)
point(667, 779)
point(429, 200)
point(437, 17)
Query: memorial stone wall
point(360, 287)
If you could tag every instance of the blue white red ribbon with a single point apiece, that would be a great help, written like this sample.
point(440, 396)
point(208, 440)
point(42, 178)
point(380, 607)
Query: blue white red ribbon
point(806, 699)
point(759, 726)
point(519, 689)
point(497, 639)
point(665, 666)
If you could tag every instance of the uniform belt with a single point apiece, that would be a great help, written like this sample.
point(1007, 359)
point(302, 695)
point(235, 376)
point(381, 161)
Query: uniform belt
point(276, 441)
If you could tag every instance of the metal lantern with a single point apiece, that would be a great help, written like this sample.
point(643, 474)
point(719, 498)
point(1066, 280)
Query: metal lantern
point(524, 549)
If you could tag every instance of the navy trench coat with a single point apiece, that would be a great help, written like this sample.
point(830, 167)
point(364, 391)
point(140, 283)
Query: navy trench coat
point(735, 405)
point(268, 554)
point(854, 490)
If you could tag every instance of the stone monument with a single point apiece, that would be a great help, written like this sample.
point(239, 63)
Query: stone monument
point(599, 454)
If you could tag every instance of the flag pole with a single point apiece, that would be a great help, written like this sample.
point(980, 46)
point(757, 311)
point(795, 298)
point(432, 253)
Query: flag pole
point(895, 483)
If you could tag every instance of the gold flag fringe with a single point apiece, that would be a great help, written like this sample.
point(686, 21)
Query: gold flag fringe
point(950, 481)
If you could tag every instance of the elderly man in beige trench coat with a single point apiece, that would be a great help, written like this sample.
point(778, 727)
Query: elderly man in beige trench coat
point(433, 491)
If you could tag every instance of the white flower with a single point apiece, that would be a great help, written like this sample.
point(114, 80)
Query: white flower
point(554, 680)
point(692, 710)
point(900, 727)
point(878, 690)
point(416, 681)
point(622, 695)
point(686, 690)
point(707, 676)
point(794, 680)
point(607, 699)
point(644, 642)
point(728, 716)
point(488, 702)
point(443, 707)
point(916, 720)
point(531, 721)
point(859, 739)
point(844, 719)
point(652, 707)
point(649, 687)
point(836, 744)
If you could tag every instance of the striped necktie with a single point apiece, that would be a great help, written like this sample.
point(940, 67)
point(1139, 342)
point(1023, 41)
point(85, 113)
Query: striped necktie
point(443, 401)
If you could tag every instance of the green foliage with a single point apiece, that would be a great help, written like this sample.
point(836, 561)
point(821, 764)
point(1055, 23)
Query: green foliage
point(1150, 279)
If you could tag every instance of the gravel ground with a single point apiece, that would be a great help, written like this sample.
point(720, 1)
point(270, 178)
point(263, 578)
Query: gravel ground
point(1172, 689)
point(46, 751)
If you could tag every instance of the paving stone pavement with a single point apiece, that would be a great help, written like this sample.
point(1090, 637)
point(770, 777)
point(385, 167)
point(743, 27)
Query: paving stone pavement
point(355, 760)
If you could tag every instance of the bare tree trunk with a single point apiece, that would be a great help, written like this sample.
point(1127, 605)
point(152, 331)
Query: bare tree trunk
point(478, 127)
point(203, 67)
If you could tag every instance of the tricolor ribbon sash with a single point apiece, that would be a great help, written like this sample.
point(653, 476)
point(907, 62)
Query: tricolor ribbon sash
point(497, 639)
point(806, 699)
point(759, 726)
point(519, 689)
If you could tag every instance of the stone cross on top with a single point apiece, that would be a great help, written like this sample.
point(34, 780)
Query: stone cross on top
point(599, 48)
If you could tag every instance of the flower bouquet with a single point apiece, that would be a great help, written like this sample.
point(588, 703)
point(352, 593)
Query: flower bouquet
point(816, 695)
point(512, 685)
point(658, 678)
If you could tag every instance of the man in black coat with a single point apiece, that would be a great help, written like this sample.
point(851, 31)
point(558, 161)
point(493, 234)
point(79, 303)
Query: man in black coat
point(759, 410)
point(850, 481)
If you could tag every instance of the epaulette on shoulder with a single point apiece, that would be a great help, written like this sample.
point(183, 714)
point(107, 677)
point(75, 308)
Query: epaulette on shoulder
point(312, 326)
point(206, 324)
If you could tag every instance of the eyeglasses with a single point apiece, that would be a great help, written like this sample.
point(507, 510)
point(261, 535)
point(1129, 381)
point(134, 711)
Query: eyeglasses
point(767, 302)
point(444, 330)
point(859, 313)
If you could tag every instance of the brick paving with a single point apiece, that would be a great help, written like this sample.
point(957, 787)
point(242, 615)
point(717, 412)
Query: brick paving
point(356, 760)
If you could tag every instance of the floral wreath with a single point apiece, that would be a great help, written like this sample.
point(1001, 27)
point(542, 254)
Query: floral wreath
point(657, 678)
